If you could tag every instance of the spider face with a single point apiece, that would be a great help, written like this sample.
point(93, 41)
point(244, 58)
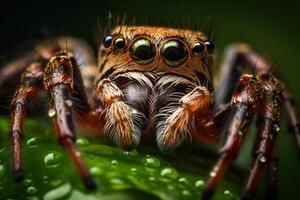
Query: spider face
point(139, 48)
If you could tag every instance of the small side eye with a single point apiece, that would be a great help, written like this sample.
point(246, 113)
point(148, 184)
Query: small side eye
point(119, 43)
point(198, 48)
point(210, 46)
point(142, 50)
point(107, 40)
point(174, 53)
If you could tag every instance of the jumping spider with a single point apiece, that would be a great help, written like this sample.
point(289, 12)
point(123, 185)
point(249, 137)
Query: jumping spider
point(154, 81)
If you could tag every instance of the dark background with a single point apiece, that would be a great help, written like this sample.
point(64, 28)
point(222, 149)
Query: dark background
point(271, 27)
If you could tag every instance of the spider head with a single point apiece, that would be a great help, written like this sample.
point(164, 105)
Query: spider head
point(154, 49)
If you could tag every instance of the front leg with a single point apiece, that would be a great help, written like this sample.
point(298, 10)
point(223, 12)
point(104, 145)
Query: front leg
point(176, 127)
point(123, 121)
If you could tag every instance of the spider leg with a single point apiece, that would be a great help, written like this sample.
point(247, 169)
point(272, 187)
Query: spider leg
point(13, 70)
point(293, 116)
point(31, 84)
point(172, 130)
point(247, 96)
point(268, 125)
point(58, 82)
point(123, 122)
point(240, 58)
point(272, 185)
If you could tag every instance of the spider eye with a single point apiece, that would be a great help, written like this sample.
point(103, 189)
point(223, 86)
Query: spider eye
point(198, 48)
point(174, 53)
point(143, 50)
point(210, 46)
point(119, 43)
point(107, 41)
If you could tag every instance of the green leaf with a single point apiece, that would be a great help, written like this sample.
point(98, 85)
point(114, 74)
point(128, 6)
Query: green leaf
point(140, 174)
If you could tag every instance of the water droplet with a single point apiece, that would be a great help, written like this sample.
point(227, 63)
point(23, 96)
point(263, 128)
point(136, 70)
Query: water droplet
point(114, 163)
point(263, 159)
point(277, 127)
point(27, 182)
point(31, 190)
point(151, 161)
point(58, 193)
point(199, 184)
point(32, 142)
point(45, 179)
point(56, 182)
point(96, 171)
point(186, 193)
point(82, 141)
point(2, 171)
point(183, 180)
point(51, 112)
point(132, 153)
point(117, 183)
point(169, 173)
point(213, 174)
point(2, 149)
point(133, 171)
point(53, 159)
point(69, 102)
point(228, 194)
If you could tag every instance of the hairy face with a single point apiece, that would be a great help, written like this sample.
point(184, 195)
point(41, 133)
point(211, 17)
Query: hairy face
point(153, 49)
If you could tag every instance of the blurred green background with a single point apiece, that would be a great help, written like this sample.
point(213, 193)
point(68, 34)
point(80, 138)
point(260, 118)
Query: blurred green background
point(271, 27)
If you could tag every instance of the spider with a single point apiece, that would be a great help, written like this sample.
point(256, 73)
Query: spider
point(154, 83)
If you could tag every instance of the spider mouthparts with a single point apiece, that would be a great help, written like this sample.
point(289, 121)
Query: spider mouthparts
point(207, 194)
point(18, 175)
point(247, 195)
point(89, 182)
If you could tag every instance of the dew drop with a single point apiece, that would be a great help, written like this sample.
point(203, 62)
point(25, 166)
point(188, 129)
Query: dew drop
point(55, 182)
point(199, 184)
point(183, 180)
point(2, 171)
point(69, 102)
point(169, 173)
point(277, 127)
point(133, 171)
point(27, 182)
point(2, 149)
point(118, 183)
point(96, 171)
point(228, 194)
point(58, 193)
point(151, 161)
point(213, 174)
point(32, 142)
point(53, 159)
point(263, 159)
point(132, 153)
point(51, 112)
point(31, 190)
point(114, 163)
point(45, 179)
point(82, 141)
point(186, 193)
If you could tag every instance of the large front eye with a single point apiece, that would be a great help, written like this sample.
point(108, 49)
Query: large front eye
point(174, 53)
point(142, 50)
